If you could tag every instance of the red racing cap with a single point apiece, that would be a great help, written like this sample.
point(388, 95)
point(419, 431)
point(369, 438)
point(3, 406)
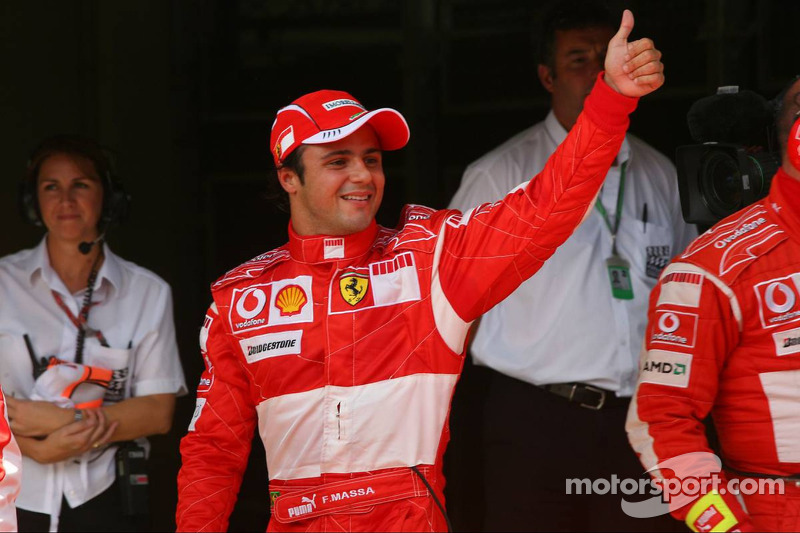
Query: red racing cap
point(326, 116)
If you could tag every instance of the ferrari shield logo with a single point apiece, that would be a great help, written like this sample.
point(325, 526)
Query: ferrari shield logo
point(353, 287)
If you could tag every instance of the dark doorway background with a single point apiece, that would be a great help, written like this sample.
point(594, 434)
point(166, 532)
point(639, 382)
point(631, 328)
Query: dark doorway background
point(185, 93)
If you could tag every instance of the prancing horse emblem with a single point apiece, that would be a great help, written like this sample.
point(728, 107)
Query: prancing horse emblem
point(353, 287)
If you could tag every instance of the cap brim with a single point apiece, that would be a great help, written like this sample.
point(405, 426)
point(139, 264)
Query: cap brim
point(389, 125)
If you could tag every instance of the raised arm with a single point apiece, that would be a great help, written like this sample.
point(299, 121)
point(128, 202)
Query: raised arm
point(632, 68)
point(490, 250)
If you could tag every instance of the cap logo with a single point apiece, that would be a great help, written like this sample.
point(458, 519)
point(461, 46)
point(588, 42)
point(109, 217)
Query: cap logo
point(284, 142)
point(333, 104)
point(353, 117)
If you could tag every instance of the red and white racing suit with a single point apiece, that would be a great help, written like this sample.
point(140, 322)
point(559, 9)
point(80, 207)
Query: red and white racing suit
point(724, 337)
point(345, 350)
point(10, 473)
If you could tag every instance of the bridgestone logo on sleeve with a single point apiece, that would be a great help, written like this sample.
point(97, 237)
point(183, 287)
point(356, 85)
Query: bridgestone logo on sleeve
point(667, 368)
point(271, 345)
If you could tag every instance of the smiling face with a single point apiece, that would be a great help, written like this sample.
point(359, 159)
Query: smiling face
point(342, 185)
point(578, 58)
point(70, 196)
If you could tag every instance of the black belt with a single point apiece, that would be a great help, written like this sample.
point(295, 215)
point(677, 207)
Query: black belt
point(587, 396)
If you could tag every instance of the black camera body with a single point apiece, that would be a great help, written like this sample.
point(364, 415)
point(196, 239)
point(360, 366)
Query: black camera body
point(733, 164)
point(716, 180)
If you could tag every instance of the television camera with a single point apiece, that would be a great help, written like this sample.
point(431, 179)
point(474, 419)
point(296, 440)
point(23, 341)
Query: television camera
point(735, 160)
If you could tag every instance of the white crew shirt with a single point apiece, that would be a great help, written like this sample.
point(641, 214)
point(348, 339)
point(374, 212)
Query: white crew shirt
point(563, 324)
point(132, 307)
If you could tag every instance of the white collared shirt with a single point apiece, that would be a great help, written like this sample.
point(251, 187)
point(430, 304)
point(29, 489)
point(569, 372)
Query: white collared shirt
point(132, 307)
point(563, 325)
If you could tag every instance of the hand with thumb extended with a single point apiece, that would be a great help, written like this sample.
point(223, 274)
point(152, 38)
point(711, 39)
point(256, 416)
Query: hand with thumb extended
point(632, 68)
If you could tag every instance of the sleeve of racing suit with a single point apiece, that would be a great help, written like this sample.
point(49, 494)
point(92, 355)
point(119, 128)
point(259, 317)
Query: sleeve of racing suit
point(692, 327)
point(10, 473)
point(492, 249)
point(215, 450)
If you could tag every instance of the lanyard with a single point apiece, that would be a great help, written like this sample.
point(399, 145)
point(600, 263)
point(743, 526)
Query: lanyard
point(599, 205)
point(81, 321)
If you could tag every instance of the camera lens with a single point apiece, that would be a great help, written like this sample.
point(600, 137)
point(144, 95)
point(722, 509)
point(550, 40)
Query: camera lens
point(761, 167)
point(721, 183)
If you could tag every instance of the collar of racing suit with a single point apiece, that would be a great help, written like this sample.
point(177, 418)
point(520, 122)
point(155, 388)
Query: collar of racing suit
point(785, 195)
point(327, 248)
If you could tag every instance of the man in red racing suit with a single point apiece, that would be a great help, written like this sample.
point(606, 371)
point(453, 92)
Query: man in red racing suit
point(724, 338)
point(345, 348)
point(10, 473)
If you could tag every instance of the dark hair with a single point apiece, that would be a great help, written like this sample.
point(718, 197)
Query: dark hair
point(564, 15)
point(293, 162)
point(115, 200)
point(73, 145)
point(785, 116)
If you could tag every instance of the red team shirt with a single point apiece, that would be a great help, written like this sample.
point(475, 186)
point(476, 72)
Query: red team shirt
point(344, 351)
point(10, 471)
point(724, 338)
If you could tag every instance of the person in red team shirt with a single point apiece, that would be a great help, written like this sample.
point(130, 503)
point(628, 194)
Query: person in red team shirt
point(724, 338)
point(10, 472)
point(344, 345)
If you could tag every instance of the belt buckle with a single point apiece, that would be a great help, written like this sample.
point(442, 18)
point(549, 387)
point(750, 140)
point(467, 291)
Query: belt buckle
point(593, 389)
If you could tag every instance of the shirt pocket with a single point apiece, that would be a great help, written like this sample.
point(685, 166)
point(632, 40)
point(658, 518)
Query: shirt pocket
point(117, 366)
point(647, 245)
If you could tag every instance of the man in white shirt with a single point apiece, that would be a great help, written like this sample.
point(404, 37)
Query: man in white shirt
point(564, 347)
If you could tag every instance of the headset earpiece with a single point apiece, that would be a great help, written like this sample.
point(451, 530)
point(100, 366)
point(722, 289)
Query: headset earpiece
point(116, 202)
point(27, 204)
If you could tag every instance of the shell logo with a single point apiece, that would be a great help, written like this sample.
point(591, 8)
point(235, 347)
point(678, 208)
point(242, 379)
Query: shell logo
point(290, 300)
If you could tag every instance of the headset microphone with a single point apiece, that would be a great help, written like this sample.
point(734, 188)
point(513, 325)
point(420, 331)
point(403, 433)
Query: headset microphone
point(86, 246)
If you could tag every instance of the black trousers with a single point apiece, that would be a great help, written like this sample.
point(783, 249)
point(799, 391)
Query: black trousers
point(102, 513)
point(530, 443)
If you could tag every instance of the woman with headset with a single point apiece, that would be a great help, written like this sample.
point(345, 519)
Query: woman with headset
point(88, 356)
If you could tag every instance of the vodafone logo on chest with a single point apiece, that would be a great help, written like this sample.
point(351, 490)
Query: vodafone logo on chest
point(258, 299)
point(779, 300)
point(287, 301)
point(248, 308)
